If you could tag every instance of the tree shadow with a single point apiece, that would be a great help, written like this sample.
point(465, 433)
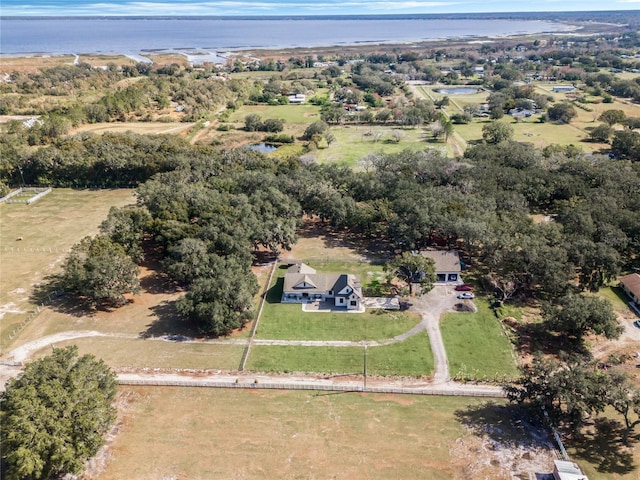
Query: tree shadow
point(534, 338)
point(264, 257)
point(274, 294)
point(51, 293)
point(167, 321)
point(507, 425)
point(158, 282)
point(601, 444)
point(334, 237)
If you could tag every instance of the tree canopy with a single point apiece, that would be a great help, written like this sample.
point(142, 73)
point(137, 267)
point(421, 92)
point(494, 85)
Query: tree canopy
point(100, 271)
point(580, 315)
point(413, 268)
point(55, 415)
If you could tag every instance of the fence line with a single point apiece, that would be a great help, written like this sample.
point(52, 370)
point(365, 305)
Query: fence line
point(35, 193)
point(18, 328)
point(12, 194)
point(556, 436)
point(247, 350)
point(36, 250)
point(296, 386)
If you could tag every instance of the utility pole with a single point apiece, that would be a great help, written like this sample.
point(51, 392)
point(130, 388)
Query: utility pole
point(365, 367)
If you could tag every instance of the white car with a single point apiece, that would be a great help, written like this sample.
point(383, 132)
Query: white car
point(466, 296)
point(637, 323)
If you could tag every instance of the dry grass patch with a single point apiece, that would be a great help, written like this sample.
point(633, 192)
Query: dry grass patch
point(169, 58)
point(285, 435)
point(135, 127)
point(140, 353)
point(34, 63)
point(96, 60)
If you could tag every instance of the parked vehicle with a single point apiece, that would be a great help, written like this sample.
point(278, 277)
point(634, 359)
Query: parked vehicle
point(466, 296)
point(464, 288)
point(637, 323)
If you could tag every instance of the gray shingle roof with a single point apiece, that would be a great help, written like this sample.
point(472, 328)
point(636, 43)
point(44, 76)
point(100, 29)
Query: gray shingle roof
point(445, 260)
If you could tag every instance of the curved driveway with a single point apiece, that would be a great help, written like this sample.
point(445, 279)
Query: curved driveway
point(430, 306)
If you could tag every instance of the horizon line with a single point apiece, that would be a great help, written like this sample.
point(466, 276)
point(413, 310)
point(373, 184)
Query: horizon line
point(316, 15)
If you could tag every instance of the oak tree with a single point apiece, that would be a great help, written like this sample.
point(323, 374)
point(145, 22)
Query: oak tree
point(55, 415)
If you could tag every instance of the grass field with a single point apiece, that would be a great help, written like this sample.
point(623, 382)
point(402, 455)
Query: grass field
point(306, 113)
point(617, 297)
point(48, 228)
point(125, 352)
point(411, 358)
point(476, 346)
point(354, 142)
point(209, 433)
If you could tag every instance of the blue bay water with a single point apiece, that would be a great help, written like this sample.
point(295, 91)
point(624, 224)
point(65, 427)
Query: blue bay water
point(134, 35)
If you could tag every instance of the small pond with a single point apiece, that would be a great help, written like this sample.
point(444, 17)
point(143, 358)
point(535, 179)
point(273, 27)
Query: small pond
point(263, 147)
point(458, 91)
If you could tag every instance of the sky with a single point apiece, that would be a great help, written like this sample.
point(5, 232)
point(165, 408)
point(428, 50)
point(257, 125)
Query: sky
point(298, 7)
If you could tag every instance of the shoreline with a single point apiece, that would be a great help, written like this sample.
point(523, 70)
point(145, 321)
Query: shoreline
point(173, 37)
point(228, 52)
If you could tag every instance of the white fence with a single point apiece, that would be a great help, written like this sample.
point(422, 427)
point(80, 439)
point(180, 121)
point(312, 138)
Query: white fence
point(32, 195)
point(299, 386)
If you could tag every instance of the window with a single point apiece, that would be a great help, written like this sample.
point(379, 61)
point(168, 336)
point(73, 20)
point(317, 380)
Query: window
point(354, 303)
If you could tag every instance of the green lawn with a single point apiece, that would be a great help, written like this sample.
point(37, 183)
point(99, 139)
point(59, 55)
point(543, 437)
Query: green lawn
point(289, 322)
point(476, 345)
point(306, 113)
point(413, 357)
point(617, 297)
point(354, 142)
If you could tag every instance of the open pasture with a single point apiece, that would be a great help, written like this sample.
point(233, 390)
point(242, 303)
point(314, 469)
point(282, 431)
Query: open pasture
point(33, 63)
point(34, 240)
point(210, 433)
point(306, 113)
point(353, 142)
point(135, 127)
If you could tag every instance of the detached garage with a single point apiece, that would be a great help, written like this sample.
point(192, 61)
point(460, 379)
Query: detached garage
point(447, 263)
point(631, 285)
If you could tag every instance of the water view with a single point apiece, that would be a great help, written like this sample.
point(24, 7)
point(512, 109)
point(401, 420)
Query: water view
point(136, 34)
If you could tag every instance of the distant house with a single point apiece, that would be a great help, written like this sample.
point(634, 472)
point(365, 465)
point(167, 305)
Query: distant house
point(564, 470)
point(302, 284)
point(31, 122)
point(447, 263)
point(297, 98)
point(564, 88)
point(631, 285)
point(520, 112)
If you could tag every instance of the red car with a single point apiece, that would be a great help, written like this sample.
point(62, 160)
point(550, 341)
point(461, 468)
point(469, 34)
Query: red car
point(463, 288)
